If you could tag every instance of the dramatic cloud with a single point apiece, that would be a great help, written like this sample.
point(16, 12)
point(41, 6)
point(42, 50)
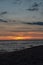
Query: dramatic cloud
point(35, 4)
point(33, 23)
point(35, 7)
point(4, 12)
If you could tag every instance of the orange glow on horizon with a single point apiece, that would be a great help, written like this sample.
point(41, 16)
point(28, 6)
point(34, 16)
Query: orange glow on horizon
point(18, 38)
point(13, 38)
point(23, 36)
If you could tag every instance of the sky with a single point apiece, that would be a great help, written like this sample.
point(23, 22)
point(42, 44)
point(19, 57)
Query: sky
point(21, 19)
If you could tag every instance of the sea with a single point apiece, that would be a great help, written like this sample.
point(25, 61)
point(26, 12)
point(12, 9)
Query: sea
point(14, 45)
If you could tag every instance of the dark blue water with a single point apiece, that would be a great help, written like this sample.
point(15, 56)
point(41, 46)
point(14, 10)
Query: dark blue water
point(18, 45)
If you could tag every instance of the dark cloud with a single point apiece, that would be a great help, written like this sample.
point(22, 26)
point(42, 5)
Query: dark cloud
point(1, 20)
point(33, 23)
point(35, 4)
point(33, 9)
point(4, 12)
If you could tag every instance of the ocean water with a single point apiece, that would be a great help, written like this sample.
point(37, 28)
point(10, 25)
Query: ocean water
point(8, 46)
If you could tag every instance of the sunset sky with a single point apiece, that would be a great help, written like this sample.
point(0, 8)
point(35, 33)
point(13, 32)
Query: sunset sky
point(21, 19)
